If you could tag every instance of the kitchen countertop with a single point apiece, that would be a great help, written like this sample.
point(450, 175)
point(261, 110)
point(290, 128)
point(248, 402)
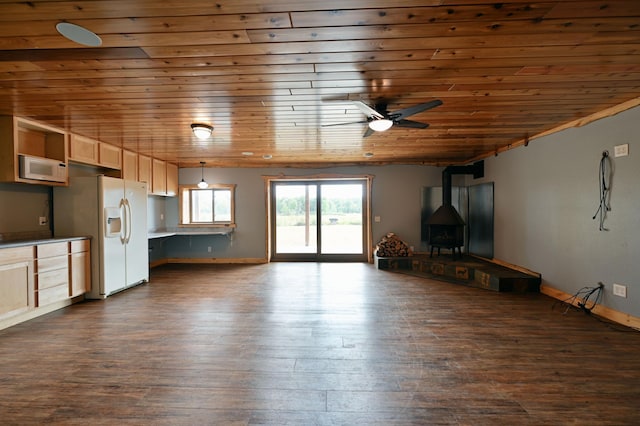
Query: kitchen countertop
point(33, 242)
point(186, 231)
point(150, 235)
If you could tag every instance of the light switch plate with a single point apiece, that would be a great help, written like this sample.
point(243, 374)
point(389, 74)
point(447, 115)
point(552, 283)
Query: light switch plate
point(621, 150)
point(620, 290)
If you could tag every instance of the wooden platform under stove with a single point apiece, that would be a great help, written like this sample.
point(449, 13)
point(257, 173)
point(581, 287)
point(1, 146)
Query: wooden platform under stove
point(470, 271)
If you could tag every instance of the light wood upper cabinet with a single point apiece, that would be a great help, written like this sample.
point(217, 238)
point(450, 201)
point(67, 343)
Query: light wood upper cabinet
point(83, 149)
point(110, 156)
point(144, 170)
point(90, 151)
point(159, 176)
point(129, 165)
point(20, 136)
point(172, 180)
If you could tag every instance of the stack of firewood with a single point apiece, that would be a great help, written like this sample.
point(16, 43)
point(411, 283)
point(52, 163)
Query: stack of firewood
point(392, 246)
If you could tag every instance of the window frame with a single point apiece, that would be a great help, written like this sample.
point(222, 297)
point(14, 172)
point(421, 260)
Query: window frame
point(186, 189)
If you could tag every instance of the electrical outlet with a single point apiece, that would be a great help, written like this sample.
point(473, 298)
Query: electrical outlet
point(620, 290)
point(42, 220)
point(161, 216)
point(209, 249)
point(621, 150)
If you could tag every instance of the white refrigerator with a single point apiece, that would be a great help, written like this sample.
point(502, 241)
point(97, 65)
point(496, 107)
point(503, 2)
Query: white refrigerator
point(113, 212)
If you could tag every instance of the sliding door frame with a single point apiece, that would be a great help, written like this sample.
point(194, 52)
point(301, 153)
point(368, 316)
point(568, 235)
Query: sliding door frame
point(366, 180)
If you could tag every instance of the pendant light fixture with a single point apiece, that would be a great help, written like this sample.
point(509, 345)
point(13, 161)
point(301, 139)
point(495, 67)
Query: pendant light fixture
point(202, 184)
point(202, 131)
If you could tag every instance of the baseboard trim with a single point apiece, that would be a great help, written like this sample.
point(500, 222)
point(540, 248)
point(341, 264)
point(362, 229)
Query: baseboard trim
point(37, 312)
point(599, 310)
point(158, 263)
point(212, 260)
point(509, 265)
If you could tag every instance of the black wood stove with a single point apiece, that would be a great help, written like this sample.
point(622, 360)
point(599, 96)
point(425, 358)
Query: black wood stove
point(446, 230)
point(446, 227)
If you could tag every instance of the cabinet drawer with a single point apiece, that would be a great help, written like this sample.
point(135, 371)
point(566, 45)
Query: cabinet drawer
point(79, 246)
point(53, 294)
point(16, 254)
point(52, 263)
point(50, 250)
point(53, 278)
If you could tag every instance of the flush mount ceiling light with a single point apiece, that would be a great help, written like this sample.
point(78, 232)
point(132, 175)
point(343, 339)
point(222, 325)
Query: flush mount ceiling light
point(202, 131)
point(78, 34)
point(380, 125)
point(202, 184)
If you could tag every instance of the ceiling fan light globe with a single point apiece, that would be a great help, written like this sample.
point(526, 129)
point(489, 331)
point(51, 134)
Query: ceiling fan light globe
point(380, 125)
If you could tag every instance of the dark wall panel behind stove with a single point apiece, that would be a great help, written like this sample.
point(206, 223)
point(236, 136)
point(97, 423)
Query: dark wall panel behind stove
point(480, 220)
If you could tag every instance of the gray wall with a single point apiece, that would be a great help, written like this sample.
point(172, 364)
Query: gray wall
point(396, 193)
point(546, 195)
point(21, 205)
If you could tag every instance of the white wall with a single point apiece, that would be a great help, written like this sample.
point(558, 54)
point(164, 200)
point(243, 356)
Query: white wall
point(546, 195)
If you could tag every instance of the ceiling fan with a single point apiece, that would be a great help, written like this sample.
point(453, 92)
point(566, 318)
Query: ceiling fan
point(379, 119)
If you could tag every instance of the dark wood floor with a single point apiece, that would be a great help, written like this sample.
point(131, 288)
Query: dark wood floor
point(300, 343)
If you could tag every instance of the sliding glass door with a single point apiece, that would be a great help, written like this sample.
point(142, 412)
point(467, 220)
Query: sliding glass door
point(319, 220)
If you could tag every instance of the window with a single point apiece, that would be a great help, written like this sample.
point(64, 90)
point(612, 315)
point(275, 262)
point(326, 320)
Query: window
point(212, 206)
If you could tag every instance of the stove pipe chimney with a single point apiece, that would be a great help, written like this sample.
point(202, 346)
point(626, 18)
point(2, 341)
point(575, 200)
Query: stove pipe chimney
point(476, 169)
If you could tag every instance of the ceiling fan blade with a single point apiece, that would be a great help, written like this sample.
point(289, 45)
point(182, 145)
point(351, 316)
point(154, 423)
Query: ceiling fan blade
point(345, 124)
point(370, 112)
point(368, 132)
point(411, 124)
point(407, 112)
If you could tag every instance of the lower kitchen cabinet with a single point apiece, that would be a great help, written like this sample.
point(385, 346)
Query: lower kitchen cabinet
point(38, 278)
point(52, 273)
point(16, 281)
point(80, 268)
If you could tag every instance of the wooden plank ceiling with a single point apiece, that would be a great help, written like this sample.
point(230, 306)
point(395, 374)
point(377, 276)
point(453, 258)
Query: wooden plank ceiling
point(270, 75)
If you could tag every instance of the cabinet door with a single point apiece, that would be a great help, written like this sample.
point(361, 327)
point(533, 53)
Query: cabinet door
point(16, 288)
point(159, 185)
point(110, 156)
point(83, 150)
point(129, 165)
point(16, 280)
point(144, 170)
point(172, 180)
point(80, 274)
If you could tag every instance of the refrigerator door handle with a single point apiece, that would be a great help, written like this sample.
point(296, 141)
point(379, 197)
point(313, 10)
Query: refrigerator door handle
point(128, 221)
point(123, 215)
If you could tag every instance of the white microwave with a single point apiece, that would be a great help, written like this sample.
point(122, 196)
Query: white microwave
point(44, 169)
